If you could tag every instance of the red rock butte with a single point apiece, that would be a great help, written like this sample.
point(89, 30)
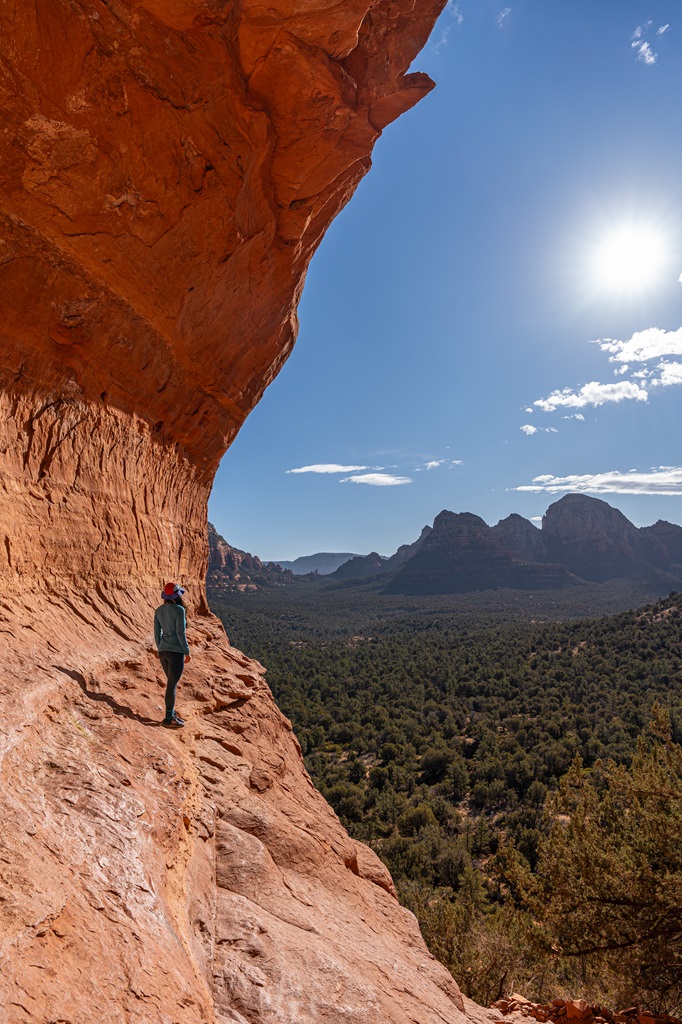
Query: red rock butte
point(169, 167)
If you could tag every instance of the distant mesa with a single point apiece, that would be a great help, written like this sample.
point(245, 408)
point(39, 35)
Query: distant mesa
point(324, 562)
point(406, 551)
point(361, 565)
point(582, 539)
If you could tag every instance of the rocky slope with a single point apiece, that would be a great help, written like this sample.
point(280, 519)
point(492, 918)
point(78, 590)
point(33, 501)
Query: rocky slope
point(170, 167)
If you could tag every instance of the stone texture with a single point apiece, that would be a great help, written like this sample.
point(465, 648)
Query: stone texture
point(190, 876)
point(169, 168)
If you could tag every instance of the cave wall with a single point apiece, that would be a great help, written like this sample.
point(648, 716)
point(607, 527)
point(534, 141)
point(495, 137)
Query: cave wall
point(169, 168)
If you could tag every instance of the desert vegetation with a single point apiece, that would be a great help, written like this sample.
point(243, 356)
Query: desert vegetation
point(522, 780)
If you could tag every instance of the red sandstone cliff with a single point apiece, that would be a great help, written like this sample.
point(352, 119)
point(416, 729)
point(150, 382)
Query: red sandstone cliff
point(232, 569)
point(169, 167)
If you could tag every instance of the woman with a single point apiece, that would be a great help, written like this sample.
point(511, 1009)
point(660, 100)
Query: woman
point(170, 626)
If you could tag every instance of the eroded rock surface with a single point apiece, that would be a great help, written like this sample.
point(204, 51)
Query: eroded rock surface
point(192, 876)
point(169, 167)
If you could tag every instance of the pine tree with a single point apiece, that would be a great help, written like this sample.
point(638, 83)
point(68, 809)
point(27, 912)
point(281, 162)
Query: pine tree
point(607, 891)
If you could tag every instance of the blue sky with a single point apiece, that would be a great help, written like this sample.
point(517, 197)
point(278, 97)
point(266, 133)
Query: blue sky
point(496, 317)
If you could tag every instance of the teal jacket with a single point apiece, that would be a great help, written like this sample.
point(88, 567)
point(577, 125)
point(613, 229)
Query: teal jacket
point(170, 625)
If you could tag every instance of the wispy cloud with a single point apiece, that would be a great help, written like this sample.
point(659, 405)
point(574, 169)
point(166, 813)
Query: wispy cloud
point(377, 479)
point(646, 54)
point(329, 467)
point(659, 480)
point(593, 394)
point(574, 416)
point(453, 12)
point(639, 44)
point(503, 17)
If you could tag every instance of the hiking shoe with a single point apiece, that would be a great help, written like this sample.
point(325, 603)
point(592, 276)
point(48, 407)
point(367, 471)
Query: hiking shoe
point(173, 722)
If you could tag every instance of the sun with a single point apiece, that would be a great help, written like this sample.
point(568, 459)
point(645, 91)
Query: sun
point(629, 258)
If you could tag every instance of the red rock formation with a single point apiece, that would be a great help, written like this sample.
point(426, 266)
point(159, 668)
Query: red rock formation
point(169, 167)
point(521, 538)
point(232, 569)
point(593, 539)
point(462, 553)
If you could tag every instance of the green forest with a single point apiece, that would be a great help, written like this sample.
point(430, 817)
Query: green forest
point(454, 739)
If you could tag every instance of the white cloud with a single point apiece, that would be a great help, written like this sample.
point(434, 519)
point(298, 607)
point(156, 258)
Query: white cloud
point(536, 519)
point(377, 480)
point(671, 373)
point(646, 54)
point(456, 462)
point(434, 464)
point(651, 343)
point(574, 416)
point(503, 17)
point(659, 480)
point(662, 30)
point(528, 429)
point(328, 467)
point(528, 410)
point(592, 393)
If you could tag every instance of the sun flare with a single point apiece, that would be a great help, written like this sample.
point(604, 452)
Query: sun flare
point(629, 258)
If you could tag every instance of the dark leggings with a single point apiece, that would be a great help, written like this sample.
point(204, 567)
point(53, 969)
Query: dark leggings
point(172, 663)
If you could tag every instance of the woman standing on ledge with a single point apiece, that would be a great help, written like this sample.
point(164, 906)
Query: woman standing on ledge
point(170, 625)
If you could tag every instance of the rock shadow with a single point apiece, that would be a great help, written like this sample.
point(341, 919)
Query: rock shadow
point(103, 698)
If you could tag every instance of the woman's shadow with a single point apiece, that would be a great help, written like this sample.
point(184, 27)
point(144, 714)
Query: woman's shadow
point(104, 698)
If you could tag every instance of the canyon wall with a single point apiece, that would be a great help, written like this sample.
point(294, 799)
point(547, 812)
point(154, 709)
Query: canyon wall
point(168, 169)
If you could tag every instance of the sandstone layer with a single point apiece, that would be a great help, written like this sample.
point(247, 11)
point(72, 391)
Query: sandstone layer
point(186, 878)
point(169, 167)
